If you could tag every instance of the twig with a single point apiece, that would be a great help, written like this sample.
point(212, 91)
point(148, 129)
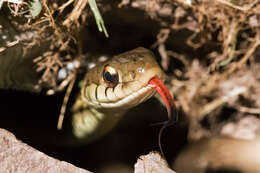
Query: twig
point(246, 56)
point(51, 19)
point(220, 101)
point(65, 102)
point(65, 5)
point(13, 43)
point(12, 1)
point(76, 12)
point(192, 44)
point(244, 9)
point(165, 59)
point(179, 57)
point(162, 36)
point(249, 110)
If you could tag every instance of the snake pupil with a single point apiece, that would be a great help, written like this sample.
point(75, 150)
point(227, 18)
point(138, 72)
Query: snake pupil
point(110, 76)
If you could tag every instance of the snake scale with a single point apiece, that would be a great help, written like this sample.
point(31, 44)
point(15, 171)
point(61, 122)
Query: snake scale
point(113, 87)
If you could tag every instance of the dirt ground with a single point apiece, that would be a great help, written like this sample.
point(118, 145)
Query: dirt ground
point(209, 50)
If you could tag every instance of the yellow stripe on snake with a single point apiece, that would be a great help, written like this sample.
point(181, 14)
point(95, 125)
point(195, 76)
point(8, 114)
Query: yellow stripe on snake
point(110, 89)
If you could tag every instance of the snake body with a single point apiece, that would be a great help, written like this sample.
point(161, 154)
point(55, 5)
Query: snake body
point(110, 89)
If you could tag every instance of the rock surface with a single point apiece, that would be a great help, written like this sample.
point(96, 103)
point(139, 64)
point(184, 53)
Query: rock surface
point(152, 163)
point(16, 156)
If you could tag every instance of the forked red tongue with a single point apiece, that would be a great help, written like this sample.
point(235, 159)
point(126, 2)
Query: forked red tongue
point(170, 105)
point(164, 93)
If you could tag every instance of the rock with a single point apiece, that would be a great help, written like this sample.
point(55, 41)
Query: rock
point(15, 156)
point(152, 163)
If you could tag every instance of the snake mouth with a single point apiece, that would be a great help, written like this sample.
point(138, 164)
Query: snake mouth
point(154, 84)
point(133, 99)
point(126, 101)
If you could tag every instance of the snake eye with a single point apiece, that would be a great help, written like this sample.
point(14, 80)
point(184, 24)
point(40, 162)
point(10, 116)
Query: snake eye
point(110, 76)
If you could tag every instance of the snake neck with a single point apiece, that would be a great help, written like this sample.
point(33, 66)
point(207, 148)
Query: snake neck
point(90, 123)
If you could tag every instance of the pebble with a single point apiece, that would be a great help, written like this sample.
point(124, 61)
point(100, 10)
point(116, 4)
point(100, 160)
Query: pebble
point(62, 74)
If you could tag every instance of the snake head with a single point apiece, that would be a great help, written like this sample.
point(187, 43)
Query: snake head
point(123, 81)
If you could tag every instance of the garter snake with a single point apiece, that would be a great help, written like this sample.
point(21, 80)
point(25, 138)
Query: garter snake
point(111, 88)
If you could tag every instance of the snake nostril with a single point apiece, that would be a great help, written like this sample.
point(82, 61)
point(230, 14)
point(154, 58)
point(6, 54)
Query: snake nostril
point(132, 74)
